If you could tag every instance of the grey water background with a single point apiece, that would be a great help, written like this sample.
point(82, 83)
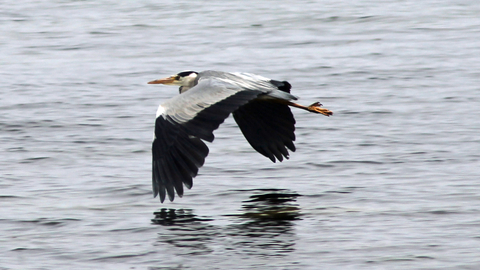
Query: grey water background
point(390, 181)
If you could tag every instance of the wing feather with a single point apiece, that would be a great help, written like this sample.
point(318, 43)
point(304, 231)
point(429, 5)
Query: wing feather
point(269, 127)
point(176, 158)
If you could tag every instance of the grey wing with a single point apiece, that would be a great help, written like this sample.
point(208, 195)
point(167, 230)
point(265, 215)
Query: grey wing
point(178, 150)
point(268, 126)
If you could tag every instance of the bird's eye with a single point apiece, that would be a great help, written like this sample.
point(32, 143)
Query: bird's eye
point(177, 78)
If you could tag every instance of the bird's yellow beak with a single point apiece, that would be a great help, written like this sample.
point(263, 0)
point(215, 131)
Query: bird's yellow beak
point(168, 80)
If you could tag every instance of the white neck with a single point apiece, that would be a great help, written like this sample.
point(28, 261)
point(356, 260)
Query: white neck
point(184, 88)
point(187, 82)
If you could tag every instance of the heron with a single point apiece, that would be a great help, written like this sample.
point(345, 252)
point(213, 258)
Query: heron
point(260, 106)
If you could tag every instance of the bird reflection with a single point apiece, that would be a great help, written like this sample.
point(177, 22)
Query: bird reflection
point(176, 216)
point(263, 228)
point(186, 231)
point(272, 205)
point(266, 224)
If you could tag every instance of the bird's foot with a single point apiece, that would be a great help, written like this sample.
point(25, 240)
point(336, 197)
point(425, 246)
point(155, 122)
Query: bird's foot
point(316, 108)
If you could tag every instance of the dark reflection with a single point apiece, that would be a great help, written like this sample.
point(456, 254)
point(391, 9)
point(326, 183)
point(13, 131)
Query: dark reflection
point(263, 228)
point(266, 226)
point(175, 217)
point(186, 231)
point(272, 205)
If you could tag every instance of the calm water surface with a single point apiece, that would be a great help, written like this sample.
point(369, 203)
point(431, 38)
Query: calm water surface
point(391, 181)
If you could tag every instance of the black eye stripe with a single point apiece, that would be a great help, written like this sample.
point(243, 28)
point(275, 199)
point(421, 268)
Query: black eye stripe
point(186, 73)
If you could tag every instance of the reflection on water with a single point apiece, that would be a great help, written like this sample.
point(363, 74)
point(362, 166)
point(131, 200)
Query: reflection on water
point(272, 205)
point(175, 216)
point(185, 231)
point(264, 228)
point(266, 224)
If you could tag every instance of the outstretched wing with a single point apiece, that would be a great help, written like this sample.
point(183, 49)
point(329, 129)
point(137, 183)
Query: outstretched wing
point(268, 126)
point(176, 158)
point(181, 125)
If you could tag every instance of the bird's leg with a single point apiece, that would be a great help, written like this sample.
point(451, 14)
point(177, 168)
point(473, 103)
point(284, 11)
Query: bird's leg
point(314, 108)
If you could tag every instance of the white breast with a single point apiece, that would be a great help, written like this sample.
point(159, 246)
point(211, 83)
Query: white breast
point(160, 111)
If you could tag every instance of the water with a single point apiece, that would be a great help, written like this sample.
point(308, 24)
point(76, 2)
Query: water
point(389, 182)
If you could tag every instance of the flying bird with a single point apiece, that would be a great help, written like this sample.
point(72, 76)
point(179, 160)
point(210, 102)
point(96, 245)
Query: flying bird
point(259, 105)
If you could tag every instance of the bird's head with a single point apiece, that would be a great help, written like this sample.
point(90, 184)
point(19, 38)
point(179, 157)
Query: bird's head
point(184, 78)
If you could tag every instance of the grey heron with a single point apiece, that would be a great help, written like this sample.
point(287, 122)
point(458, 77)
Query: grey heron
point(259, 105)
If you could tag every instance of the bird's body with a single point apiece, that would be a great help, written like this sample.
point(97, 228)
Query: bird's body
point(260, 107)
